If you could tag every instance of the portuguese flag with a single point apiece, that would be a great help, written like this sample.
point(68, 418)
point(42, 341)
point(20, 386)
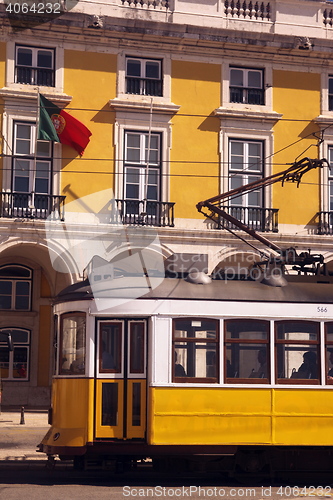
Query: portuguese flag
point(57, 125)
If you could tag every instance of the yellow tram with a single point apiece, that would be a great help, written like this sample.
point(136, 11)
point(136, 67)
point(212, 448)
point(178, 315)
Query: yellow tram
point(230, 374)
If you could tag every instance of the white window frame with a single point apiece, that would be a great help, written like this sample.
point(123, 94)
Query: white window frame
point(165, 77)
point(10, 116)
point(142, 164)
point(14, 280)
point(11, 355)
point(267, 84)
point(29, 158)
point(143, 75)
point(245, 85)
point(125, 122)
point(246, 174)
point(58, 65)
point(34, 65)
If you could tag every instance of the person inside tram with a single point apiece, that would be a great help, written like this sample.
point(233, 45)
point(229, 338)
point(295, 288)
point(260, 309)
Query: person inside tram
point(262, 360)
point(308, 368)
point(179, 369)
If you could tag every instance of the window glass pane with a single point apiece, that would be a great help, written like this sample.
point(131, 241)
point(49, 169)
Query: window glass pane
point(5, 287)
point(4, 362)
point(21, 184)
point(297, 361)
point(133, 175)
point(330, 85)
point(195, 359)
point(132, 192)
point(43, 148)
point(15, 272)
point(236, 77)
point(254, 198)
point(254, 156)
point(246, 360)
point(109, 403)
point(23, 131)
point(24, 56)
point(133, 140)
point(44, 59)
point(297, 330)
point(198, 329)
point(110, 347)
point(133, 67)
point(20, 364)
point(42, 186)
point(137, 339)
point(5, 302)
point(152, 193)
point(254, 79)
point(249, 330)
point(136, 404)
point(152, 69)
point(20, 336)
point(21, 303)
point(73, 345)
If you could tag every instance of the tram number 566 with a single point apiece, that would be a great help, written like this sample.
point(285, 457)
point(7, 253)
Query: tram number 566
point(321, 309)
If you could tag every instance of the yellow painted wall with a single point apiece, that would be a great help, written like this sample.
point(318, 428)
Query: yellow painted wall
point(240, 416)
point(90, 78)
point(297, 96)
point(194, 164)
point(2, 84)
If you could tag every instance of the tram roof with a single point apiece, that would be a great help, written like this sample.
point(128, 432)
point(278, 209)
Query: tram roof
point(302, 289)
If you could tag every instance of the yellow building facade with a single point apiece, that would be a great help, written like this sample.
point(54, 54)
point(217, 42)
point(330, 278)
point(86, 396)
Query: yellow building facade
point(184, 101)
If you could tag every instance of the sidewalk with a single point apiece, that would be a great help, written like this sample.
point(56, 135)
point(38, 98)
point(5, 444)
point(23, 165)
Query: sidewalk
point(21, 432)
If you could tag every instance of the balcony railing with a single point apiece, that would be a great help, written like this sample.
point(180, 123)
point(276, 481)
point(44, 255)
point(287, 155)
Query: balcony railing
point(248, 9)
point(35, 76)
point(259, 219)
point(246, 95)
point(325, 222)
point(143, 86)
point(144, 213)
point(148, 4)
point(31, 206)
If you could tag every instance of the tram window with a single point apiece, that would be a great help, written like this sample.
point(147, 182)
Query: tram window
point(247, 352)
point(297, 352)
point(329, 352)
point(110, 342)
point(195, 350)
point(72, 352)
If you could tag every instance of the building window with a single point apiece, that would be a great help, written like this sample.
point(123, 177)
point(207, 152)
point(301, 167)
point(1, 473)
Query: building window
point(15, 288)
point(330, 93)
point(14, 365)
point(297, 352)
point(34, 66)
point(247, 351)
point(72, 352)
point(195, 350)
point(142, 174)
point(144, 76)
point(32, 175)
point(247, 86)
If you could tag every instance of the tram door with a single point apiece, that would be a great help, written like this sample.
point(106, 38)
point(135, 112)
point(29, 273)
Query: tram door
point(121, 379)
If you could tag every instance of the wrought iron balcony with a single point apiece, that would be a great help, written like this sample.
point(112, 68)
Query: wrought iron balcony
point(143, 86)
point(35, 76)
point(247, 95)
point(325, 222)
point(31, 206)
point(143, 213)
point(259, 219)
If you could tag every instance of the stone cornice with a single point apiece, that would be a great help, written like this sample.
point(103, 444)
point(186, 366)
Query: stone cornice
point(144, 107)
point(8, 93)
point(247, 114)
